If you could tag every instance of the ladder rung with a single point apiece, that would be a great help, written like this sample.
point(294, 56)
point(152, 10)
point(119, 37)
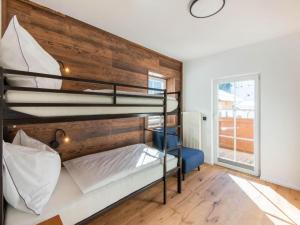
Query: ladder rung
point(174, 148)
point(173, 126)
point(158, 131)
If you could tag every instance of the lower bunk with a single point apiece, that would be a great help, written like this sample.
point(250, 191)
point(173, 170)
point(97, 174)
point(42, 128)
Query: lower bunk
point(77, 198)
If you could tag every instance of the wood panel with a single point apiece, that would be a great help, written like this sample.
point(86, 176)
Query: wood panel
point(3, 15)
point(92, 53)
point(171, 87)
point(88, 137)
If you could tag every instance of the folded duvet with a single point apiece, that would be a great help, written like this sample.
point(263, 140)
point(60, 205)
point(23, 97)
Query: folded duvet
point(97, 170)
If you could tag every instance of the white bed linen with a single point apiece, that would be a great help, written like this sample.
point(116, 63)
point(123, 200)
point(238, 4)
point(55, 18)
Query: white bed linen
point(73, 206)
point(13, 96)
point(114, 164)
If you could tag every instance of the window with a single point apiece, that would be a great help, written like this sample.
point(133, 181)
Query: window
point(155, 82)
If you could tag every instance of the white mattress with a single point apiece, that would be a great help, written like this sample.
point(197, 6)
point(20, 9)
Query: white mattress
point(13, 96)
point(73, 206)
point(114, 165)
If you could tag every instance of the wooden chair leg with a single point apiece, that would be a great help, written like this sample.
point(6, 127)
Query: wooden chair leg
point(183, 176)
point(198, 168)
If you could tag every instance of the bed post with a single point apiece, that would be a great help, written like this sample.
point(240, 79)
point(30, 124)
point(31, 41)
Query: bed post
point(179, 123)
point(115, 95)
point(1, 139)
point(165, 145)
point(144, 131)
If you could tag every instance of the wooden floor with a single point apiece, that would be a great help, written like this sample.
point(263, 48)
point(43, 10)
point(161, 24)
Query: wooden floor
point(212, 196)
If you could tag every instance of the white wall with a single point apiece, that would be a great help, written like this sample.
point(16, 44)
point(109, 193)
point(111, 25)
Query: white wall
point(278, 61)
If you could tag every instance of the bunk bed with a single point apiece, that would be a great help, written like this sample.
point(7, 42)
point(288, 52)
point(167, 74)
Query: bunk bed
point(27, 105)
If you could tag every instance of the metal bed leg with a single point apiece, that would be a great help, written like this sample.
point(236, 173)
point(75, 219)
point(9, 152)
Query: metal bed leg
point(179, 173)
point(165, 190)
point(179, 179)
point(165, 146)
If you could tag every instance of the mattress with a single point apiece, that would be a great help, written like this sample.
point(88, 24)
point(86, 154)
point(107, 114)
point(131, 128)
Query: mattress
point(115, 165)
point(73, 206)
point(16, 96)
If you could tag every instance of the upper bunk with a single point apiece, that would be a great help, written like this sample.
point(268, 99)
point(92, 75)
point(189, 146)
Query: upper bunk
point(23, 105)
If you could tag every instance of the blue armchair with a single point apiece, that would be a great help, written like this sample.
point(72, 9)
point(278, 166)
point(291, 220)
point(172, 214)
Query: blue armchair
point(191, 158)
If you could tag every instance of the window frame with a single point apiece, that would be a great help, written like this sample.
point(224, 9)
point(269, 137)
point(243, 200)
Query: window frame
point(160, 118)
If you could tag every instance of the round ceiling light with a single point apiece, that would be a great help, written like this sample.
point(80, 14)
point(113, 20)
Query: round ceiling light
point(206, 8)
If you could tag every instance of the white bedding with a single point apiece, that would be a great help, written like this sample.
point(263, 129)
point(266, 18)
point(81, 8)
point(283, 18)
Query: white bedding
point(13, 96)
point(73, 206)
point(114, 164)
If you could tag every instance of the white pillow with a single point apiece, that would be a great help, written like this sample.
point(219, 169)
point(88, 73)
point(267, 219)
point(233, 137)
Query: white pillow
point(23, 139)
point(19, 51)
point(30, 174)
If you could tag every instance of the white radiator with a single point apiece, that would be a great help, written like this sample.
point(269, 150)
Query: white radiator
point(192, 129)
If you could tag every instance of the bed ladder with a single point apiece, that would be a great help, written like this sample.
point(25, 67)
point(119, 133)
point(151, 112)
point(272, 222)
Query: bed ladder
point(178, 126)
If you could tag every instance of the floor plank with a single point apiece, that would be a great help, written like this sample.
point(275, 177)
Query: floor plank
point(214, 195)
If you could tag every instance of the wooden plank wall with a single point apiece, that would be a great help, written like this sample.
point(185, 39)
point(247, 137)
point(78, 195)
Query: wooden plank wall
point(94, 54)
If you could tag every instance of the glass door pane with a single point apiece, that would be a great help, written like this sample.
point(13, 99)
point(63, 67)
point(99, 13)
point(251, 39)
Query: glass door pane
point(226, 137)
point(226, 143)
point(236, 122)
point(245, 136)
point(245, 111)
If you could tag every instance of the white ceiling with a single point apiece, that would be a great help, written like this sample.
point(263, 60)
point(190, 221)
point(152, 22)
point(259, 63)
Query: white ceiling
point(166, 26)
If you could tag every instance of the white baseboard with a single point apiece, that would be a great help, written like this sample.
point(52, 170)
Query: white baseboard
point(281, 183)
point(208, 162)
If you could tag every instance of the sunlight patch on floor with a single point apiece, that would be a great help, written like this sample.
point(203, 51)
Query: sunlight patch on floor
point(276, 208)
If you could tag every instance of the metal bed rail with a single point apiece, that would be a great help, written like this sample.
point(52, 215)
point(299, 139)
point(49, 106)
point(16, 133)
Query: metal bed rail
point(114, 94)
point(43, 75)
point(13, 117)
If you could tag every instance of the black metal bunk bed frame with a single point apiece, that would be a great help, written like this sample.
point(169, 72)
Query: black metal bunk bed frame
point(10, 117)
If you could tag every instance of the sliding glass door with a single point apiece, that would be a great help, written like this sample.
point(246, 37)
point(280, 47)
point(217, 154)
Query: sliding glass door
point(236, 120)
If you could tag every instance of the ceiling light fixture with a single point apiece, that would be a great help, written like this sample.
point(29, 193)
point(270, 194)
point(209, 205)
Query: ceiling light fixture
point(206, 8)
